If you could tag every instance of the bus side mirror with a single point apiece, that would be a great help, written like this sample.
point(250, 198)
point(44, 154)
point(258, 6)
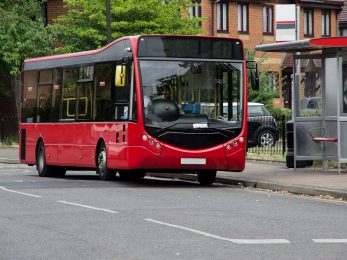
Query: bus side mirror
point(120, 77)
point(252, 67)
point(255, 79)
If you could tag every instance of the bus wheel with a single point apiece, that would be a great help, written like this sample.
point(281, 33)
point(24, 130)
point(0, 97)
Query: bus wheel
point(42, 168)
point(105, 173)
point(206, 177)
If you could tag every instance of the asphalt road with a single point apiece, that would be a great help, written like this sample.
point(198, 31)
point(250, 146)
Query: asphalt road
point(80, 217)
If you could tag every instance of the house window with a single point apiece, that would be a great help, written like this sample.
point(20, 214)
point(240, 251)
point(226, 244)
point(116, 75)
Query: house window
point(242, 16)
point(222, 17)
point(326, 24)
point(195, 9)
point(43, 6)
point(268, 19)
point(308, 22)
point(272, 80)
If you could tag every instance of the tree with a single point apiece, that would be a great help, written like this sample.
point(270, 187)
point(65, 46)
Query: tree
point(22, 34)
point(84, 26)
point(266, 92)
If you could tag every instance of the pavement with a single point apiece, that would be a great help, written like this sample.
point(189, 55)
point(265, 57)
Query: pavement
point(262, 175)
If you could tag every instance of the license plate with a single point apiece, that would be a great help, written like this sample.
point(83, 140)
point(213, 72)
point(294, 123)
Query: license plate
point(194, 161)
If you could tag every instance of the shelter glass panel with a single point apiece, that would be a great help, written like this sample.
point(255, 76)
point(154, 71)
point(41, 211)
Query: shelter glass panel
point(344, 88)
point(343, 141)
point(304, 142)
point(310, 87)
point(331, 86)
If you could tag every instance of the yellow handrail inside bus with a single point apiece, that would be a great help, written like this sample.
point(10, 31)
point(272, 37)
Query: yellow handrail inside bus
point(74, 99)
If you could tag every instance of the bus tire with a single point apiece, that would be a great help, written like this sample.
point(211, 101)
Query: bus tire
point(206, 177)
point(102, 170)
point(42, 168)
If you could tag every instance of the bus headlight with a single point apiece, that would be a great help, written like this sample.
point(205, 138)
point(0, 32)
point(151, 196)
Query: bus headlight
point(241, 139)
point(228, 146)
point(144, 137)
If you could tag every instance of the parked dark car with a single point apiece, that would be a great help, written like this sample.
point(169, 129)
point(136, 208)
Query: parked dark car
point(262, 129)
point(311, 104)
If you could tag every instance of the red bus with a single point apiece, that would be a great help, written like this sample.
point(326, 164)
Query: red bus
point(149, 103)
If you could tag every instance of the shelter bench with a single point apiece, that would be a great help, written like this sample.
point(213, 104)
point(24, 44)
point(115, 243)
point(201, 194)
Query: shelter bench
point(321, 138)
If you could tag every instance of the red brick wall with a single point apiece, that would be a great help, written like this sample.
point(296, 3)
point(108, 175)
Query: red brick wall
point(206, 12)
point(55, 8)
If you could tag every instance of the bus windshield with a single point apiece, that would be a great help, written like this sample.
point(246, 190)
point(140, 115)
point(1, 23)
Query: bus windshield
point(192, 95)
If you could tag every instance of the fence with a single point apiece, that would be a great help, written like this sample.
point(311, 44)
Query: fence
point(8, 128)
point(273, 147)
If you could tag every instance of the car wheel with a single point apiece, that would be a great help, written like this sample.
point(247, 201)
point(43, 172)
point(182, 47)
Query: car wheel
point(206, 177)
point(104, 172)
point(266, 138)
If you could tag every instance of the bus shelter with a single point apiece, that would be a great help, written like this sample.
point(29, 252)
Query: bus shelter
point(319, 97)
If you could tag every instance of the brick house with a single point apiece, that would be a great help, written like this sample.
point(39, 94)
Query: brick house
point(253, 22)
point(342, 19)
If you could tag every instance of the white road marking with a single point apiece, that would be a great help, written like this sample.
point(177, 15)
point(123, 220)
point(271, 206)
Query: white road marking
point(86, 206)
point(330, 241)
point(21, 193)
point(236, 241)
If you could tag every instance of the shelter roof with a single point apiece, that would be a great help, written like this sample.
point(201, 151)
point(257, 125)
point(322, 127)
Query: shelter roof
point(304, 45)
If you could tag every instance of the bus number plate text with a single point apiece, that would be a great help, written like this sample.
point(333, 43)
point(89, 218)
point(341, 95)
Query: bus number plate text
point(195, 161)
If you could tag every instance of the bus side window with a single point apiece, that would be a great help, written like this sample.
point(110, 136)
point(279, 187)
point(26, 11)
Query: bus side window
point(56, 95)
point(85, 92)
point(69, 93)
point(44, 100)
point(29, 106)
point(122, 87)
point(104, 105)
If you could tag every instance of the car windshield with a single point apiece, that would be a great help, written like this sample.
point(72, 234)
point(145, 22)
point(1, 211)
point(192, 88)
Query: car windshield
point(191, 94)
point(257, 110)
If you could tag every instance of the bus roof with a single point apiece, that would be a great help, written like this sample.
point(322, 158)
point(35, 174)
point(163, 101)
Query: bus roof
point(108, 53)
point(116, 50)
point(304, 45)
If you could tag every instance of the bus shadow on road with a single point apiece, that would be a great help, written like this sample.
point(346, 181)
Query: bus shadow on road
point(148, 182)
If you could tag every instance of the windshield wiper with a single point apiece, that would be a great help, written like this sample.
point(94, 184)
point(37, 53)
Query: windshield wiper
point(169, 126)
point(222, 130)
